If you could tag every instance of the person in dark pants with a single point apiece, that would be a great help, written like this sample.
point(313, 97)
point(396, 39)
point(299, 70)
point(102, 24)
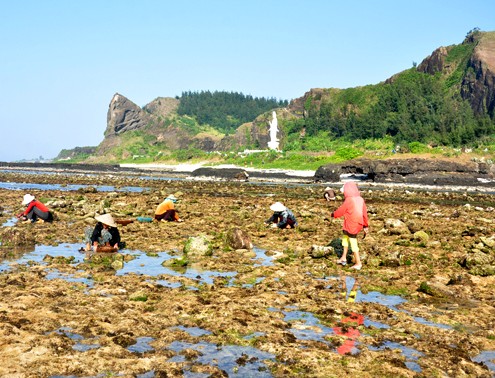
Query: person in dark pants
point(104, 234)
point(282, 217)
point(165, 211)
point(36, 211)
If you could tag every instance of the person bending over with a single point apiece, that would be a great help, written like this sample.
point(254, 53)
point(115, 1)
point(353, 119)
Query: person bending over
point(35, 211)
point(282, 217)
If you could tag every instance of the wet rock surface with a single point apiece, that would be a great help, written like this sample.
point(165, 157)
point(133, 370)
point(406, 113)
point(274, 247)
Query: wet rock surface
point(413, 171)
point(432, 252)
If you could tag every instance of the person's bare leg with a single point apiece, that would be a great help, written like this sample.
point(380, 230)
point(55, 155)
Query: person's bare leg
point(357, 261)
point(343, 258)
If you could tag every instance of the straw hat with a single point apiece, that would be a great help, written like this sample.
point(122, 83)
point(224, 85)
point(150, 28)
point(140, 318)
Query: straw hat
point(106, 219)
point(277, 207)
point(171, 198)
point(27, 198)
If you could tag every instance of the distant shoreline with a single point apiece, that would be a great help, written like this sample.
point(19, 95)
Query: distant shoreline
point(193, 167)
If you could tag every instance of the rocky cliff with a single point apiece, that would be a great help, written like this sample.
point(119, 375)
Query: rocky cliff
point(478, 74)
point(124, 115)
point(159, 119)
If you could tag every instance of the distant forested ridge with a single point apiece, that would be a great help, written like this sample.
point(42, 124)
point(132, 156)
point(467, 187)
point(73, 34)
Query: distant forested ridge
point(447, 100)
point(225, 111)
point(431, 103)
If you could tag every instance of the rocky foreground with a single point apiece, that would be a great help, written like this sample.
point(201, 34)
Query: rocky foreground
point(436, 249)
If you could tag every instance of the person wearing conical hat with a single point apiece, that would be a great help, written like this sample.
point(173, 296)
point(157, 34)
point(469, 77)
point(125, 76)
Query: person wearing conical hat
point(165, 211)
point(36, 211)
point(105, 233)
point(282, 217)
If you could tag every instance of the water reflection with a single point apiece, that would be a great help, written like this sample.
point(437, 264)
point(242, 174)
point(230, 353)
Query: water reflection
point(236, 361)
point(349, 329)
point(193, 331)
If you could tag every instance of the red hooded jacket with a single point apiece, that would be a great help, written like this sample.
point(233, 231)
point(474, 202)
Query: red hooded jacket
point(353, 210)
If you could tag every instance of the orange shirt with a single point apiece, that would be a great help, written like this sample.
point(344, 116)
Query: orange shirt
point(164, 207)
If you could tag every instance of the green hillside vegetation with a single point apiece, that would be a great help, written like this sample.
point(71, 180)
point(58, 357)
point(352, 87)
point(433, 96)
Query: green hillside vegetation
point(225, 111)
point(412, 112)
point(414, 107)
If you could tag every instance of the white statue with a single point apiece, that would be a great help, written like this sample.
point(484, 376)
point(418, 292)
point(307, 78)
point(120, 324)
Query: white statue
point(273, 143)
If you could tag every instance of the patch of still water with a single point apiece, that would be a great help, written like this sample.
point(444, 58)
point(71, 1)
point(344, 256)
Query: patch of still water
point(10, 222)
point(82, 344)
point(411, 355)
point(193, 331)
point(237, 361)
point(487, 358)
point(152, 266)
point(142, 345)
point(69, 187)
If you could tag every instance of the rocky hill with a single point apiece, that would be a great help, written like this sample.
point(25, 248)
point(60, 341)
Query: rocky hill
point(467, 71)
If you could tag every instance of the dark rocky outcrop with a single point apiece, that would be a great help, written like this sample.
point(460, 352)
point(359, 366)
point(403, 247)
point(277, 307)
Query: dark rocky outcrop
point(124, 115)
point(411, 171)
point(223, 173)
point(435, 62)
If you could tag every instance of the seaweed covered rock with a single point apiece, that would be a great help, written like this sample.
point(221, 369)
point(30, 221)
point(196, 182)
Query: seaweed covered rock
point(198, 246)
point(16, 237)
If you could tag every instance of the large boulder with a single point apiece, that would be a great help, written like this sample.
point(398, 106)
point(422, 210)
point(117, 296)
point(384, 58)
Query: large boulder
point(198, 246)
point(238, 239)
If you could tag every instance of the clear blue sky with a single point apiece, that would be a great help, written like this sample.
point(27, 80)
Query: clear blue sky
point(62, 61)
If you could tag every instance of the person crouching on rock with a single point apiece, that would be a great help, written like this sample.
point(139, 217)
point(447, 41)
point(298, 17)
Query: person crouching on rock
point(36, 211)
point(355, 219)
point(165, 211)
point(105, 235)
point(329, 194)
point(282, 217)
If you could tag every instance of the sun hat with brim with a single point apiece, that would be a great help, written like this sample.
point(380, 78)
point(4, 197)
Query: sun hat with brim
point(171, 198)
point(277, 207)
point(27, 198)
point(106, 219)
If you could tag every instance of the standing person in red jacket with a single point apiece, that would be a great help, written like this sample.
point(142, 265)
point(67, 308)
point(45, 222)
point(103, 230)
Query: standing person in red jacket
point(355, 219)
point(35, 210)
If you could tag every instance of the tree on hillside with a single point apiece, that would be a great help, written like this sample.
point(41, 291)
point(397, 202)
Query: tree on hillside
point(225, 111)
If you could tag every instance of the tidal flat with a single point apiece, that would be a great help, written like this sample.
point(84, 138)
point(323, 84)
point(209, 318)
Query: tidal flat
point(422, 306)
